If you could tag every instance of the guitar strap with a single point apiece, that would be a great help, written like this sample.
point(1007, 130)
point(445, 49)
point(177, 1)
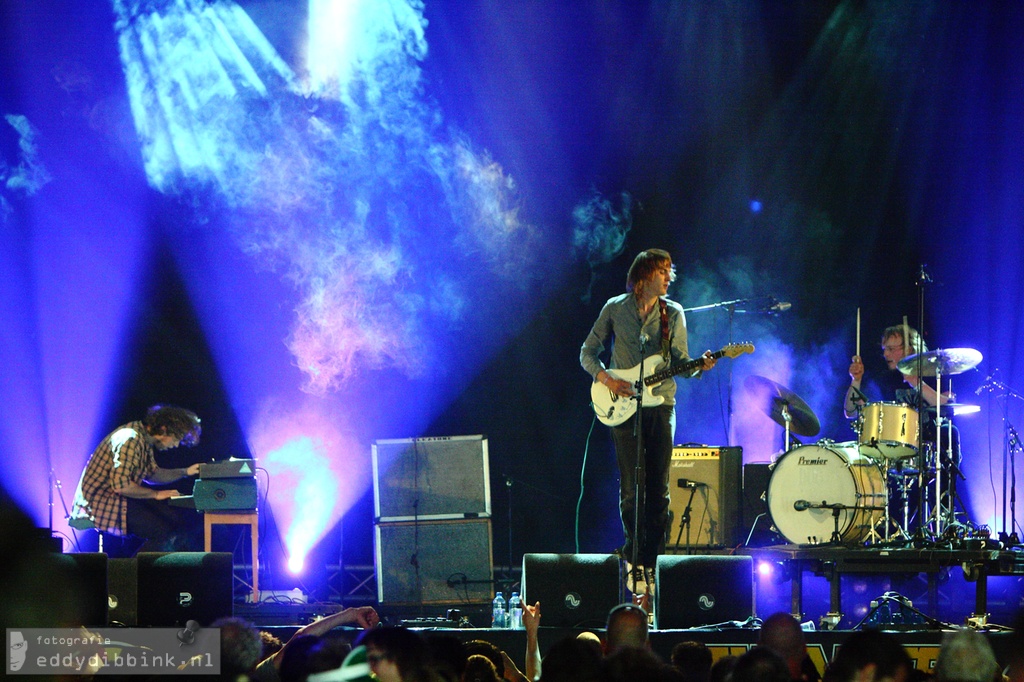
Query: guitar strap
point(665, 349)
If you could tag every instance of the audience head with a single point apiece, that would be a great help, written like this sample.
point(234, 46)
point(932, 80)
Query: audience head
point(447, 654)
point(295, 658)
point(632, 664)
point(1015, 650)
point(395, 654)
point(721, 670)
point(760, 664)
point(240, 646)
point(966, 656)
point(480, 669)
point(782, 634)
point(482, 647)
point(626, 628)
point(870, 656)
point(572, 660)
point(693, 660)
point(271, 644)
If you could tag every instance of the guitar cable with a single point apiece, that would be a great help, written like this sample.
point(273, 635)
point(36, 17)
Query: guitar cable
point(583, 470)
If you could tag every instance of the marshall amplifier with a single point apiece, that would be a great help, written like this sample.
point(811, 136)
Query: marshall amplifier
point(708, 480)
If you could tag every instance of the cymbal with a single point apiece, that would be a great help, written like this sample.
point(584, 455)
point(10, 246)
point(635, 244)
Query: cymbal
point(957, 408)
point(949, 361)
point(774, 396)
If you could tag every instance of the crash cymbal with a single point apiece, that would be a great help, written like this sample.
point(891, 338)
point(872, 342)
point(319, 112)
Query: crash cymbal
point(773, 396)
point(949, 361)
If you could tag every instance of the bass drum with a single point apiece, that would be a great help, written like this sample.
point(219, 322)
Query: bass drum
point(827, 473)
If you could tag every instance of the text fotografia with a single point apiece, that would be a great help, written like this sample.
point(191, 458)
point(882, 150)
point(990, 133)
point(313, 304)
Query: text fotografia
point(192, 650)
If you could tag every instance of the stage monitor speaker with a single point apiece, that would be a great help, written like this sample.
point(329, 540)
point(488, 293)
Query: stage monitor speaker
point(176, 587)
point(123, 592)
point(575, 590)
point(693, 591)
point(708, 480)
point(431, 478)
point(434, 562)
point(84, 575)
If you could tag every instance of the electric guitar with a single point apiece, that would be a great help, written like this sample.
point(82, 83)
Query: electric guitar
point(613, 409)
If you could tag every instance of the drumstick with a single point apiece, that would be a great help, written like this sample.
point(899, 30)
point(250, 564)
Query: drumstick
point(858, 332)
point(907, 350)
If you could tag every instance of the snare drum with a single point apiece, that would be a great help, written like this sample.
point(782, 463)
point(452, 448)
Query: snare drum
point(889, 430)
point(830, 473)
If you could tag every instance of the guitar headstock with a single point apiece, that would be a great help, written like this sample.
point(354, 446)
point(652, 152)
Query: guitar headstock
point(734, 350)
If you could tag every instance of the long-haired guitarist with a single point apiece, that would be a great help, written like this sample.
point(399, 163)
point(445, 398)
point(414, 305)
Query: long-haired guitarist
point(636, 325)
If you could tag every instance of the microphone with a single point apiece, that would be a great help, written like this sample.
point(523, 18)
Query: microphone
point(779, 307)
point(801, 505)
point(687, 483)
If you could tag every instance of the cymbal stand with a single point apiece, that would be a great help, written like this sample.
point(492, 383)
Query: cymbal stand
point(923, 278)
point(952, 466)
point(786, 417)
point(938, 445)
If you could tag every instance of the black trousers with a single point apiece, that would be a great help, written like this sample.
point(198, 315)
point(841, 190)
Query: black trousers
point(156, 526)
point(658, 427)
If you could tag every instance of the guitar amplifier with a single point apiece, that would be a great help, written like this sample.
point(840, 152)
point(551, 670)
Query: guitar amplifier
point(708, 479)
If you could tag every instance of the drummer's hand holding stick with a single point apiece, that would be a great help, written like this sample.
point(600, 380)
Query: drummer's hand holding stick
point(854, 397)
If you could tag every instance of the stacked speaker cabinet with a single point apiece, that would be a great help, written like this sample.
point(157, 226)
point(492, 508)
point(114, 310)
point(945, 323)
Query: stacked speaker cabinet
point(708, 481)
point(432, 508)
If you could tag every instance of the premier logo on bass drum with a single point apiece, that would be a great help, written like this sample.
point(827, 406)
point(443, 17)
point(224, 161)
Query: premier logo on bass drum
point(812, 461)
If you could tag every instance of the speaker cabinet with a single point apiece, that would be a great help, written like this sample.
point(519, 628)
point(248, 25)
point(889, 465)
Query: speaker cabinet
point(176, 587)
point(123, 592)
point(707, 479)
point(575, 590)
point(434, 562)
point(692, 591)
point(85, 575)
point(435, 478)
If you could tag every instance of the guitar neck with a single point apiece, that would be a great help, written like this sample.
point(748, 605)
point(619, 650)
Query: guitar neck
point(673, 370)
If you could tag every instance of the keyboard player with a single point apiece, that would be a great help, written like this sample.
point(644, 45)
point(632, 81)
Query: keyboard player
point(115, 495)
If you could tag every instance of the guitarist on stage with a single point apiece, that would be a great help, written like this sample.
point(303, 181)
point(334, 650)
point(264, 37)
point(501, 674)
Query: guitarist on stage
point(636, 325)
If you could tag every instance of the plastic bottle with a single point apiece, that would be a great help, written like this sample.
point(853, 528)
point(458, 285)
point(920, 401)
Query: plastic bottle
point(498, 613)
point(515, 612)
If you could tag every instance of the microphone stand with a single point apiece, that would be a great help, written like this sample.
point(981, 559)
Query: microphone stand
point(763, 305)
point(640, 468)
point(684, 522)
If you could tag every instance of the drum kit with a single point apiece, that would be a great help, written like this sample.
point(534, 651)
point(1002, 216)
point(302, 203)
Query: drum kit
point(839, 492)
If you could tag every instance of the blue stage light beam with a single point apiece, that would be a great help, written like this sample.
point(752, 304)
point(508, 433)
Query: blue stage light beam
point(341, 178)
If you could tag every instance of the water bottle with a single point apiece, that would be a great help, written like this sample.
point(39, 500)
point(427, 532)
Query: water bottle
point(498, 611)
point(515, 612)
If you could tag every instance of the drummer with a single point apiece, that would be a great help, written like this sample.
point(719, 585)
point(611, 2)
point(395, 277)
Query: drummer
point(918, 395)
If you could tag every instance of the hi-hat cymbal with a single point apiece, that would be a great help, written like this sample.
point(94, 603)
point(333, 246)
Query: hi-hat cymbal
point(948, 361)
point(774, 396)
point(957, 408)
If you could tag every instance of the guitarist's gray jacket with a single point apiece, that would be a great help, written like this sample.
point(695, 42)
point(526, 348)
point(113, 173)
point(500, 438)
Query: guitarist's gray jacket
point(619, 327)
